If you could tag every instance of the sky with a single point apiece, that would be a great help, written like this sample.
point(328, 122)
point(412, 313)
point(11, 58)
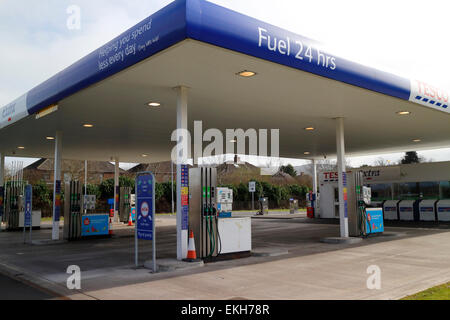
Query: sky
point(408, 38)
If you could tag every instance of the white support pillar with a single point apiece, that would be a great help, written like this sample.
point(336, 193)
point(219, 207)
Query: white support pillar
point(343, 209)
point(85, 184)
point(314, 171)
point(173, 199)
point(85, 176)
point(2, 169)
point(116, 189)
point(182, 154)
point(2, 192)
point(57, 184)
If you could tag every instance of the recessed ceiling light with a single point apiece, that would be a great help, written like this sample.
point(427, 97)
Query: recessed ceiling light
point(403, 113)
point(417, 140)
point(154, 104)
point(246, 74)
point(307, 153)
point(310, 129)
point(145, 155)
point(50, 138)
point(21, 148)
point(87, 125)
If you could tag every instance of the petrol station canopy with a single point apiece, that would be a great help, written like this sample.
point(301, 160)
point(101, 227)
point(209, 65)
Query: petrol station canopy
point(202, 46)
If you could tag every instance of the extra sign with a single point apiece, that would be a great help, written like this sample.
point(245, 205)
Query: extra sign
point(370, 175)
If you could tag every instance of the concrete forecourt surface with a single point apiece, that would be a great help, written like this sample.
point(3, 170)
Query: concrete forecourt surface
point(289, 263)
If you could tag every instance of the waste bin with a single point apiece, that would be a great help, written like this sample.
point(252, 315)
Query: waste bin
point(263, 206)
point(293, 206)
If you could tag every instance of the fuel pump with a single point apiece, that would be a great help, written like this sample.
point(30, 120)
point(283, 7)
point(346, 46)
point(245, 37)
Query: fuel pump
point(13, 204)
point(72, 210)
point(202, 211)
point(209, 181)
point(217, 233)
point(2, 205)
point(362, 220)
point(363, 197)
point(124, 204)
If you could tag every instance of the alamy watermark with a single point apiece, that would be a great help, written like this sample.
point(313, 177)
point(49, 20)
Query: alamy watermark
point(233, 141)
point(374, 280)
point(74, 18)
point(74, 280)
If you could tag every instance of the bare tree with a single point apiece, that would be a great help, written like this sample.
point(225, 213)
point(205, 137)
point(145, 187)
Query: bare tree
point(381, 162)
point(330, 165)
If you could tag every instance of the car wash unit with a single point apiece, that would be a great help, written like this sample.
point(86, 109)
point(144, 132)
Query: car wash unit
point(409, 192)
point(196, 61)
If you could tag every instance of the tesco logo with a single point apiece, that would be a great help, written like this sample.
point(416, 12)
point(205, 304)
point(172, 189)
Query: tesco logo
point(331, 175)
point(432, 92)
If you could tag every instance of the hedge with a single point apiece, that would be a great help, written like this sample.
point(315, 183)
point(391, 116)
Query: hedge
point(278, 195)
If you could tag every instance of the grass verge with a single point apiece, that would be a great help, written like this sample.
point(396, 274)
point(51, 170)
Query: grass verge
point(441, 292)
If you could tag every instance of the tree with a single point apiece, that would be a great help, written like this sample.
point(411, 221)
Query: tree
point(330, 165)
point(410, 157)
point(289, 169)
point(382, 162)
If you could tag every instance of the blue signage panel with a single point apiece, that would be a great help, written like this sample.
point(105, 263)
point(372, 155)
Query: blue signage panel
point(57, 201)
point(28, 206)
point(145, 211)
point(344, 181)
point(184, 197)
point(152, 35)
point(207, 22)
point(225, 28)
point(95, 225)
point(374, 221)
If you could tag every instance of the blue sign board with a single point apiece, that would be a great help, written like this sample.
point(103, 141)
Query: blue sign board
point(209, 23)
point(344, 182)
point(57, 201)
point(145, 210)
point(184, 197)
point(374, 221)
point(95, 225)
point(28, 205)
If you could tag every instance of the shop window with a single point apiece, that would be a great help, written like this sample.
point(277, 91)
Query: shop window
point(444, 190)
point(408, 191)
point(381, 191)
point(429, 190)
